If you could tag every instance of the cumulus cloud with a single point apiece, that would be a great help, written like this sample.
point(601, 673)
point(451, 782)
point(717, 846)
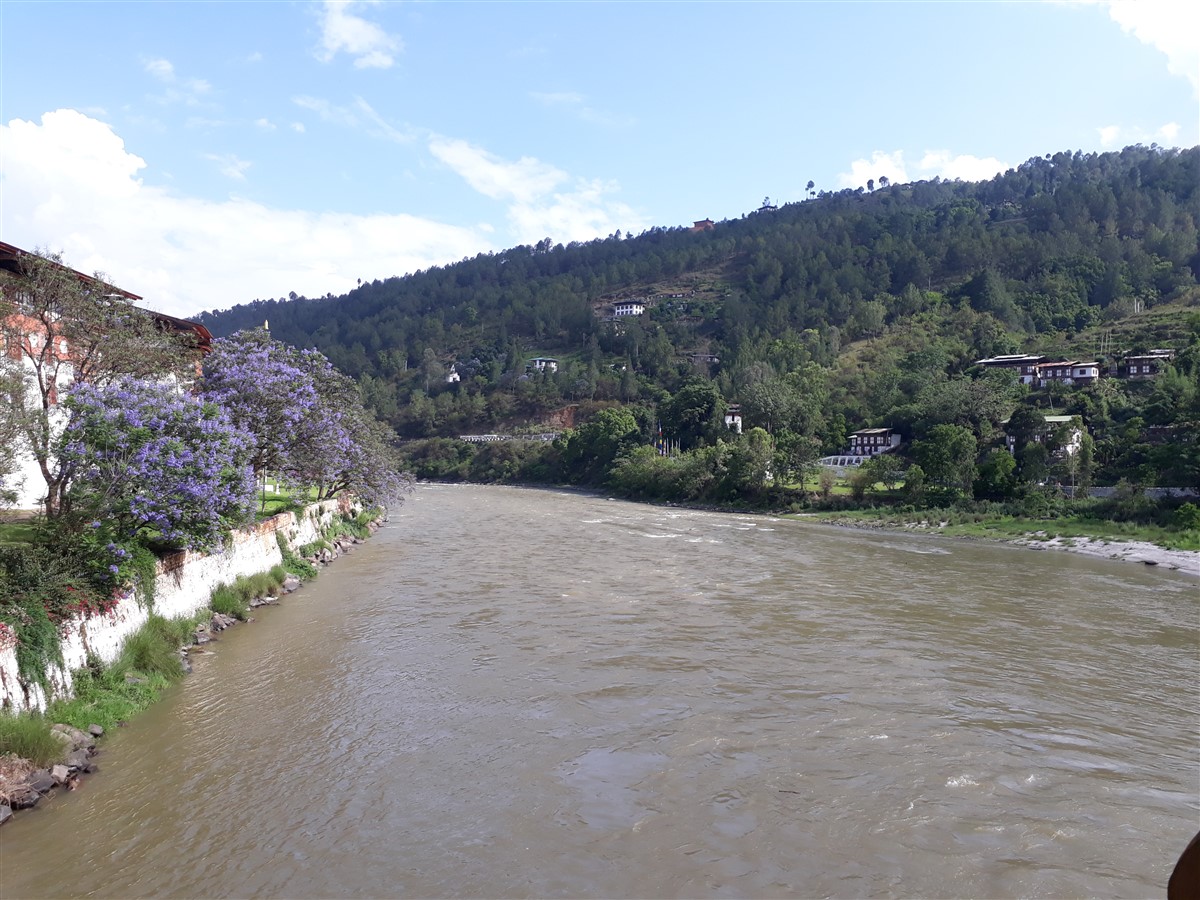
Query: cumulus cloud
point(1169, 26)
point(964, 167)
point(265, 124)
point(1114, 136)
point(881, 164)
point(542, 199)
point(343, 31)
point(935, 163)
point(69, 183)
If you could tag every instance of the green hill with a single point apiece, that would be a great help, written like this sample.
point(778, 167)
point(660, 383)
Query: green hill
point(846, 310)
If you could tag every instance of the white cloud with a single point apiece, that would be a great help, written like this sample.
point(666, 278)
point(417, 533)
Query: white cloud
point(265, 124)
point(229, 165)
point(1169, 26)
point(935, 163)
point(964, 167)
point(881, 164)
point(70, 184)
point(341, 30)
point(1115, 136)
point(298, 127)
point(186, 90)
point(329, 112)
point(160, 69)
point(542, 199)
point(1110, 135)
point(524, 181)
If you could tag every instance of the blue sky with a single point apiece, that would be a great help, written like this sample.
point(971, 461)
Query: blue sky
point(207, 154)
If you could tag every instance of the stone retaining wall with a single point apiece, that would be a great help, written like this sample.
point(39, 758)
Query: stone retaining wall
point(183, 587)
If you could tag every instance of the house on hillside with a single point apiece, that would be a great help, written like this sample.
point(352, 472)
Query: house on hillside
point(542, 364)
point(624, 308)
point(1022, 363)
point(733, 417)
point(1064, 372)
point(703, 225)
point(1071, 441)
point(30, 345)
point(1145, 365)
point(873, 441)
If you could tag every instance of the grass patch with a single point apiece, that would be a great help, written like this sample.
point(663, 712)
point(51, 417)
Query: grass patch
point(17, 533)
point(152, 650)
point(107, 698)
point(293, 564)
point(234, 599)
point(28, 736)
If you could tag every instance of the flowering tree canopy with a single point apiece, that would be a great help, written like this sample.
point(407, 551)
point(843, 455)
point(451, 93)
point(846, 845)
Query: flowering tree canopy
point(306, 418)
point(143, 456)
point(65, 328)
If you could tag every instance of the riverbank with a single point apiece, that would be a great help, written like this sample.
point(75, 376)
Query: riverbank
point(1141, 552)
point(101, 694)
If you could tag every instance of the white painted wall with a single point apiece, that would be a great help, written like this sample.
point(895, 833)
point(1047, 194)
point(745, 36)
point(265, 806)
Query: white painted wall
point(183, 587)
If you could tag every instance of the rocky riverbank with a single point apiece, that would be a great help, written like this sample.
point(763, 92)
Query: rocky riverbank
point(23, 785)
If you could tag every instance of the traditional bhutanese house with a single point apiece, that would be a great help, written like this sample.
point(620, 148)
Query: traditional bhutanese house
point(543, 364)
point(1071, 445)
point(624, 308)
point(1023, 364)
point(704, 225)
point(1066, 372)
point(733, 417)
point(1145, 365)
point(873, 441)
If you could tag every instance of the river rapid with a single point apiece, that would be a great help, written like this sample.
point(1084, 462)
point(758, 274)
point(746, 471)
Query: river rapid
point(524, 693)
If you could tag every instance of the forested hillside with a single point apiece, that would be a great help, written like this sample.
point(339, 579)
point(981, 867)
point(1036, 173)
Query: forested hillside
point(850, 309)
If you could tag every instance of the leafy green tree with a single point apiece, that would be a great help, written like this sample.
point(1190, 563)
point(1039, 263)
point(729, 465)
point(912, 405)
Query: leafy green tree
point(749, 463)
point(997, 475)
point(695, 415)
point(1033, 463)
point(947, 456)
point(884, 467)
point(795, 456)
point(914, 484)
point(589, 451)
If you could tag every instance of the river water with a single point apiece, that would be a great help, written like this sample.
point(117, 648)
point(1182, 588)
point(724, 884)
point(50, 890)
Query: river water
point(519, 693)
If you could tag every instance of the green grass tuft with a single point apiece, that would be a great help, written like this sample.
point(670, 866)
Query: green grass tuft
point(28, 736)
point(152, 650)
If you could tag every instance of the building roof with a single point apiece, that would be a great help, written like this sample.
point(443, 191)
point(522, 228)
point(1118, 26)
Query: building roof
point(10, 261)
point(1010, 359)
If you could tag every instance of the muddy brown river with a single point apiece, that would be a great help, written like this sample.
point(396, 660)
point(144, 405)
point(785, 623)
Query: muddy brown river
point(521, 693)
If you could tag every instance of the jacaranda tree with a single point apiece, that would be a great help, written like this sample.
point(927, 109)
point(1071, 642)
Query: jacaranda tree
point(147, 460)
point(305, 418)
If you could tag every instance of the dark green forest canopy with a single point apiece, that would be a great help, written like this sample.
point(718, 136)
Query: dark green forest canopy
point(835, 312)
